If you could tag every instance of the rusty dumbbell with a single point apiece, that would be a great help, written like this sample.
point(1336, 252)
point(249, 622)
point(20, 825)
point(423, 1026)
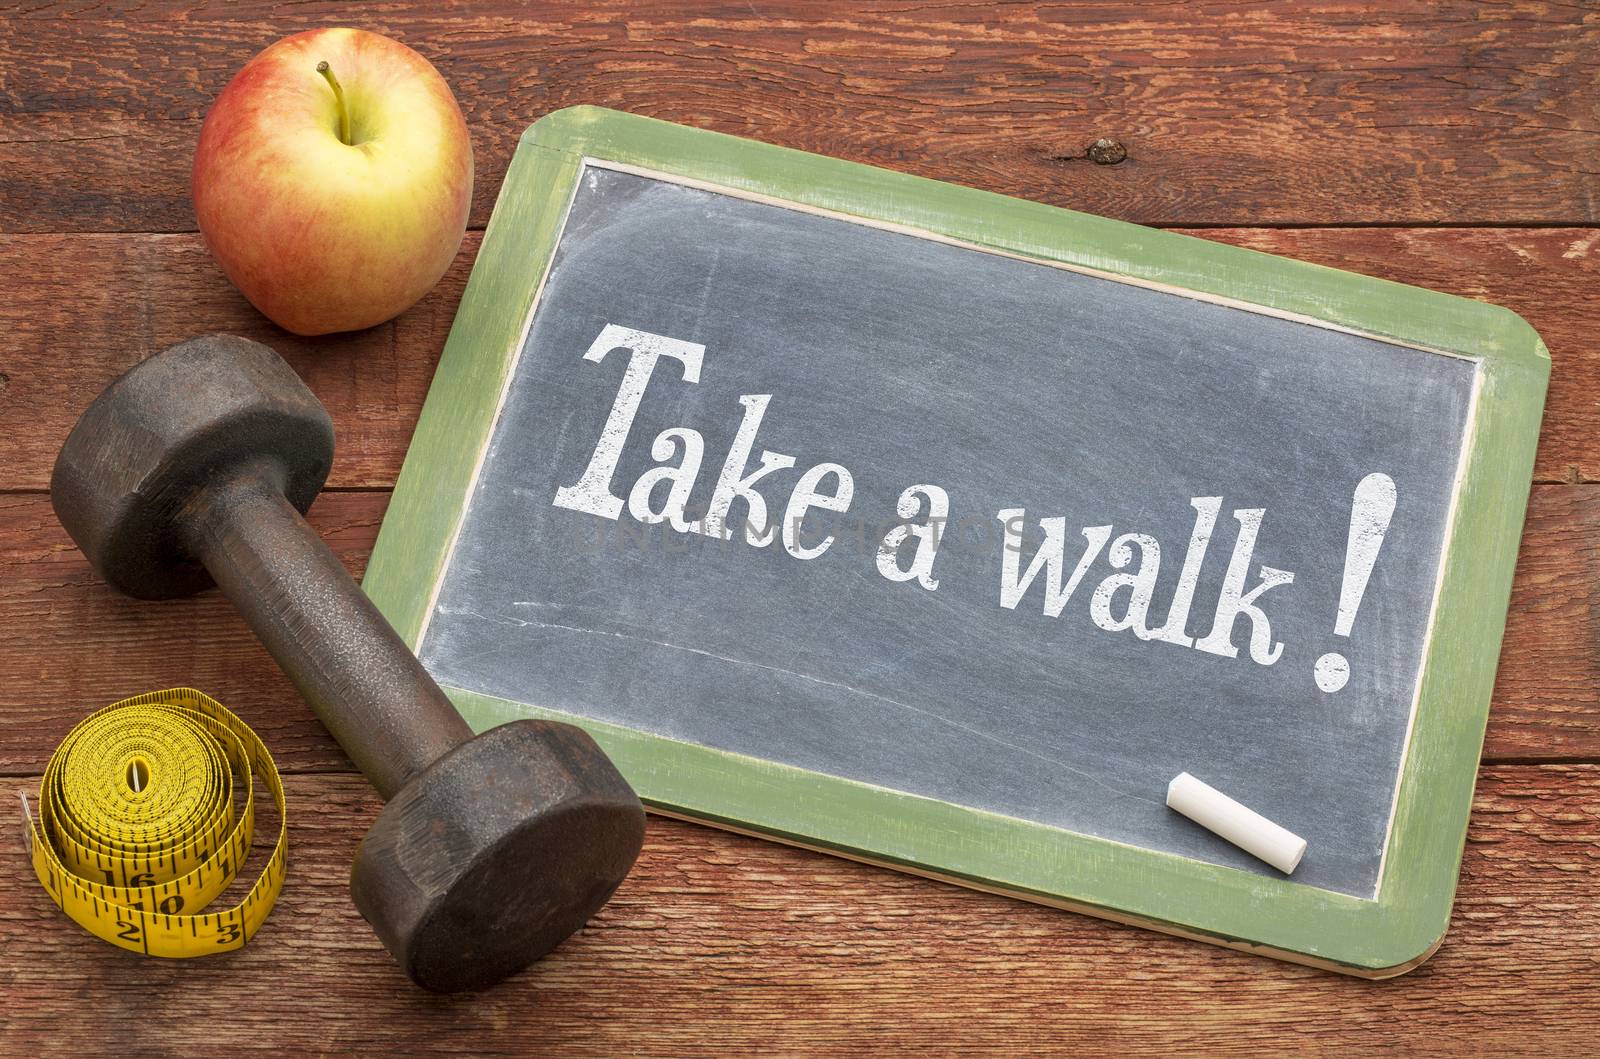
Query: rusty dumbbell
point(194, 468)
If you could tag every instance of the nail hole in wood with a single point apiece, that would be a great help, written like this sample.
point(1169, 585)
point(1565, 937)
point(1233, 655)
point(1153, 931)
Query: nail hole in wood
point(1106, 151)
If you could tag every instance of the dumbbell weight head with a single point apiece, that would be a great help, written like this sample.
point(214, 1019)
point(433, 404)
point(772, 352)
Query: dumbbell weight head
point(162, 432)
point(196, 465)
point(499, 851)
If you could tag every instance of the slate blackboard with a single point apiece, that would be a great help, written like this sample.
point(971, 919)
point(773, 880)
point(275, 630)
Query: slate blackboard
point(1128, 427)
point(1010, 385)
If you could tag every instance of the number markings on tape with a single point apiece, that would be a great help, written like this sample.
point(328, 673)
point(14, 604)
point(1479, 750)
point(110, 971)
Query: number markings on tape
point(138, 827)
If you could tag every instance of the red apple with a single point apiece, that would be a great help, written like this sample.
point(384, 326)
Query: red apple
point(333, 179)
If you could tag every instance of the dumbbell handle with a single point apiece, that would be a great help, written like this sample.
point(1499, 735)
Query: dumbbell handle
point(362, 680)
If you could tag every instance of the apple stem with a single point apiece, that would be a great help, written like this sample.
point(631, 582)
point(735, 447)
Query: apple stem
point(338, 98)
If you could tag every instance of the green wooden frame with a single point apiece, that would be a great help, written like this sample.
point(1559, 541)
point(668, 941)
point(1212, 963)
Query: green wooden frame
point(1374, 938)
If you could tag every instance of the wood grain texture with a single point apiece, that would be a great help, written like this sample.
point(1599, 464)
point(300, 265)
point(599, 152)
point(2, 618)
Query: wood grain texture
point(80, 309)
point(721, 945)
point(73, 644)
point(1231, 112)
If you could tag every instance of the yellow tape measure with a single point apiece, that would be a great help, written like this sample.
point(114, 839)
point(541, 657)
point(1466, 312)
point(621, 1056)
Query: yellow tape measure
point(138, 829)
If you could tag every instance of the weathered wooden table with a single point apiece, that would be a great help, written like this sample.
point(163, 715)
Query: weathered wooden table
point(1453, 145)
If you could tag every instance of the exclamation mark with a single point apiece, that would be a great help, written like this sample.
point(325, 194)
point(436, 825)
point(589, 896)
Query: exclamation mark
point(1370, 511)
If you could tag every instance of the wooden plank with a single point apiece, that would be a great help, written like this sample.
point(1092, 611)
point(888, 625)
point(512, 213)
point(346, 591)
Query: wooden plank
point(74, 645)
point(1231, 112)
point(80, 309)
point(1546, 703)
point(719, 944)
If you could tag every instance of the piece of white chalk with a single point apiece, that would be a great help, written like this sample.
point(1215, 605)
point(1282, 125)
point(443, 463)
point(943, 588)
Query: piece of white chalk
point(1244, 827)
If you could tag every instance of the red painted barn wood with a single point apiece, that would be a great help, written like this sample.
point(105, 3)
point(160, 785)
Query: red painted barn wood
point(1449, 144)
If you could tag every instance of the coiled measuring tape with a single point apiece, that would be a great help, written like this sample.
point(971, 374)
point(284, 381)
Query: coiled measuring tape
point(138, 827)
